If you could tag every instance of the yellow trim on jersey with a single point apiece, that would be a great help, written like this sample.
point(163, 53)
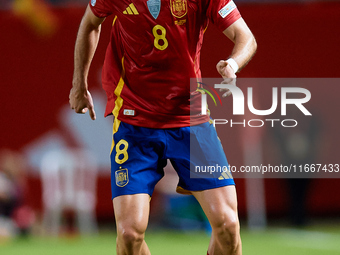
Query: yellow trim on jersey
point(205, 29)
point(118, 104)
point(114, 20)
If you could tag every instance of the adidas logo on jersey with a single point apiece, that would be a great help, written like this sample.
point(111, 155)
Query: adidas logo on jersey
point(131, 10)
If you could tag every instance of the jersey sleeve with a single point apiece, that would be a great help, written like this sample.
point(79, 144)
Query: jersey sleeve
point(101, 8)
point(222, 13)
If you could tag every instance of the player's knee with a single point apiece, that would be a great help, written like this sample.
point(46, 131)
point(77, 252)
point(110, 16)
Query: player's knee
point(227, 230)
point(130, 236)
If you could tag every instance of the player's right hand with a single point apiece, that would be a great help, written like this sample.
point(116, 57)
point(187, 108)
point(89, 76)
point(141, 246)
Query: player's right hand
point(81, 101)
point(225, 70)
point(229, 77)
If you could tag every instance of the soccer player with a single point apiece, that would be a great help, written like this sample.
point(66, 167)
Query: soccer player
point(153, 52)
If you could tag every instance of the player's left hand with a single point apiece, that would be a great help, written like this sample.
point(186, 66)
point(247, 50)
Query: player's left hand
point(228, 75)
point(82, 102)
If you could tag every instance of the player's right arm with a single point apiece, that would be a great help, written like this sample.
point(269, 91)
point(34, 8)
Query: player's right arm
point(244, 47)
point(85, 47)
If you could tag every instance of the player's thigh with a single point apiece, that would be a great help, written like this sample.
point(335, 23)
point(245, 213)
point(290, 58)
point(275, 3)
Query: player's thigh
point(132, 212)
point(136, 162)
point(199, 159)
point(219, 205)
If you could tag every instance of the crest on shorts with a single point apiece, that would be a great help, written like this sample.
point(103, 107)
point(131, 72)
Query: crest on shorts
point(179, 8)
point(122, 177)
point(154, 7)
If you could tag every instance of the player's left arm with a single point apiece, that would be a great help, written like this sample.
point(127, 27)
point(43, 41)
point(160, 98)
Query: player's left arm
point(244, 48)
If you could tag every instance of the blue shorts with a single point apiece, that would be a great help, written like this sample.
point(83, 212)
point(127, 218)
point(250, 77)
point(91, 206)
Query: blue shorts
point(139, 154)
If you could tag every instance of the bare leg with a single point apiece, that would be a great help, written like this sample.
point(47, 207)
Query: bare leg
point(220, 206)
point(132, 215)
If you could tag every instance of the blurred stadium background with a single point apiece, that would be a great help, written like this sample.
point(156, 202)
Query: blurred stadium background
point(295, 39)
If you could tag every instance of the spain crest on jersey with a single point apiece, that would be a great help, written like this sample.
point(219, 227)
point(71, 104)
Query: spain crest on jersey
point(122, 177)
point(179, 8)
point(154, 7)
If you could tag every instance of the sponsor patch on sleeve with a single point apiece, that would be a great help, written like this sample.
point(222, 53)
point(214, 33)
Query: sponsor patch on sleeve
point(227, 9)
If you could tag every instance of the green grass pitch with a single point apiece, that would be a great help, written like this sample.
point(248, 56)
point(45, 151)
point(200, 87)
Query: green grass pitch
point(273, 241)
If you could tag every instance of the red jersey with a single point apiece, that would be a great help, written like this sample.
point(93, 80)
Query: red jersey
point(154, 50)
